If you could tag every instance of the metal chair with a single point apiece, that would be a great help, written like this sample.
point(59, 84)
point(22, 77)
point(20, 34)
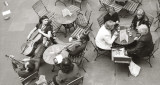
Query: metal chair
point(117, 7)
point(80, 30)
point(73, 9)
point(60, 1)
point(29, 79)
point(40, 8)
point(99, 51)
point(79, 58)
point(105, 4)
point(84, 20)
point(77, 81)
point(80, 3)
point(131, 6)
point(100, 19)
point(156, 47)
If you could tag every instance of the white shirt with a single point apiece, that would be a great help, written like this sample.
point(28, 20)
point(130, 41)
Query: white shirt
point(104, 39)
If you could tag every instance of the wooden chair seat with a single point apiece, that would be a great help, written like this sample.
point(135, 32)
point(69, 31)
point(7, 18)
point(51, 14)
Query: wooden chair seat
point(100, 19)
point(104, 4)
point(40, 8)
point(77, 32)
point(81, 20)
point(131, 6)
point(117, 7)
point(73, 9)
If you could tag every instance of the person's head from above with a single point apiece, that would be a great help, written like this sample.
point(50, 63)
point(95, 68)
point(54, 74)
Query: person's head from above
point(66, 65)
point(44, 20)
point(142, 29)
point(82, 37)
point(140, 13)
point(109, 25)
point(29, 66)
point(111, 10)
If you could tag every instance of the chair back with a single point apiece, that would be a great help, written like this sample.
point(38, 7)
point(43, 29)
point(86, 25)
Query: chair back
point(156, 45)
point(151, 18)
point(100, 19)
point(39, 8)
point(92, 40)
point(77, 81)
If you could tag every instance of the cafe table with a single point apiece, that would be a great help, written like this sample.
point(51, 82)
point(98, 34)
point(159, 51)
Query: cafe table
point(130, 33)
point(52, 52)
point(66, 21)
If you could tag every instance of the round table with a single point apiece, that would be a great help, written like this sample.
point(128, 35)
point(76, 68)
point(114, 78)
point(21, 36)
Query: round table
point(67, 19)
point(51, 52)
point(130, 38)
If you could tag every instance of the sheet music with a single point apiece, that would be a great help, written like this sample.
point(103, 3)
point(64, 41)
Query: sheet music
point(118, 53)
point(66, 12)
point(123, 36)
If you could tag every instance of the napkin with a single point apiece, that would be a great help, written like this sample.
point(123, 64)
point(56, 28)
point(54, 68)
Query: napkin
point(66, 12)
point(59, 58)
point(116, 52)
point(41, 81)
point(123, 35)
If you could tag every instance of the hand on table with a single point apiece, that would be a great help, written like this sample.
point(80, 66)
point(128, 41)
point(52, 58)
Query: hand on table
point(116, 33)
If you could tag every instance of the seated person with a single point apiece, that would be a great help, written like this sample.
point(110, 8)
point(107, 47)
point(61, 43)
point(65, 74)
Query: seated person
point(105, 36)
point(78, 44)
point(26, 67)
point(140, 18)
point(44, 27)
point(111, 15)
point(68, 72)
point(144, 44)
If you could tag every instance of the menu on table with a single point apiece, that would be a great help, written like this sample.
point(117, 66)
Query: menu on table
point(118, 54)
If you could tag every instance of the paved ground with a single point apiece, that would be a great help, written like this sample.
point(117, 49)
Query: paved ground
point(13, 34)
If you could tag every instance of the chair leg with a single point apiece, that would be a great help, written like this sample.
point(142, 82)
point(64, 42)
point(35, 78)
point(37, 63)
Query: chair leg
point(53, 69)
point(149, 61)
point(115, 69)
point(86, 59)
point(96, 57)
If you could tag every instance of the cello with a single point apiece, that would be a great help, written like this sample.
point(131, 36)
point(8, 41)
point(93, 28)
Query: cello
point(29, 47)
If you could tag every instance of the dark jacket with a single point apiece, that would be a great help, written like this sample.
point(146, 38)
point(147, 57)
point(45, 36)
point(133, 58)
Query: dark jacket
point(143, 20)
point(143, 47)
point(113, 17)
point(48, 28)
